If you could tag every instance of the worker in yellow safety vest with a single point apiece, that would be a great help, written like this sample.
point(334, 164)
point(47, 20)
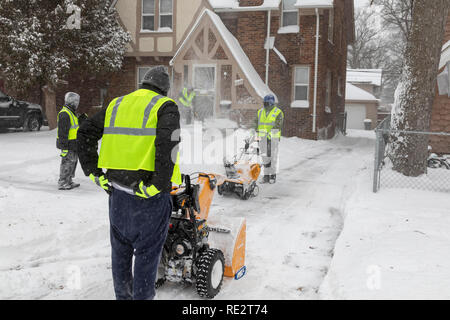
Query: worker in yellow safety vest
point(268, 126)
point(186, 98)
point(66, 141)
point(139, 150)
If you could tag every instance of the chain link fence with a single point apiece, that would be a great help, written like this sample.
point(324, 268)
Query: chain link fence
point(437, 175)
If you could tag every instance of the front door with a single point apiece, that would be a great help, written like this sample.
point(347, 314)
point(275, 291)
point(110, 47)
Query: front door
point(204, 84)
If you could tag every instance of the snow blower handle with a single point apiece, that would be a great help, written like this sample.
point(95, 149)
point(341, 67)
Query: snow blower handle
point(187, 182)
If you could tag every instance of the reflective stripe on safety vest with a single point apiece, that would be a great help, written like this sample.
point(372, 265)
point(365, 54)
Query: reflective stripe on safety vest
point(186, 99)
point(73, 123)
point(129, 134)
point(267, 122)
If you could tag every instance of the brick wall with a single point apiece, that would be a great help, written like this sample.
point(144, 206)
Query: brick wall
point(440, 118)
point(89, 88)
point(117, 84)
point(250, 29)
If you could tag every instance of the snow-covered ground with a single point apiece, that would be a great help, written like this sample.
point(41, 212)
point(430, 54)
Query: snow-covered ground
point(55, 244)
point(395, 245)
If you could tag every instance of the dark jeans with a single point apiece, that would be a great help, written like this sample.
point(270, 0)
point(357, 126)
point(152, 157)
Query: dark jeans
point(67, 168)
point(188, 115)
point(138, 227)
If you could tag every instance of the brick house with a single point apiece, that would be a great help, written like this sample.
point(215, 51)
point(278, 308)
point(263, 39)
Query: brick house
point(248, 48)
point(440, 118)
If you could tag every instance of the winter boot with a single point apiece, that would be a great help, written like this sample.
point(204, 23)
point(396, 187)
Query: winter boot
point(68, 186)
point(273, 178)
point(74, 185)
point(266, 179)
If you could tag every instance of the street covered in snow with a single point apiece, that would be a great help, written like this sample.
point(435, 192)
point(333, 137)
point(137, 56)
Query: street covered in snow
point(55, 244)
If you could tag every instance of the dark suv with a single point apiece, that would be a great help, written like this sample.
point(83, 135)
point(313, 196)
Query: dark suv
point(20, 114)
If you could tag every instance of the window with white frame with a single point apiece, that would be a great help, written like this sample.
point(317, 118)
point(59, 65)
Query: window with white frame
point(301, 87)
point(141, 73)
point(165, 14)
point(290, 13)
point(161, 9)
point(148, 15)
point(331, 26)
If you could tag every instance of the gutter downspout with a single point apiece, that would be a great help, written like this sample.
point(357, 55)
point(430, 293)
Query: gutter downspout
point(268, 46)
point(316, 70)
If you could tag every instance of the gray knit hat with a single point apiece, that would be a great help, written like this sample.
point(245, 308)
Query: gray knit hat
point(72, 99)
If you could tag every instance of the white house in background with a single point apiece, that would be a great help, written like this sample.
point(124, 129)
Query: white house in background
point(366, 79)
point(360, 106)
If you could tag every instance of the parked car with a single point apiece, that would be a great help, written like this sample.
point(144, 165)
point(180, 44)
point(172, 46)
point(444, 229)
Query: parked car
point(20, 114)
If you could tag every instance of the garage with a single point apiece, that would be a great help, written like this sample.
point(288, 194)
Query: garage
point(360, 105)
point(356, 114)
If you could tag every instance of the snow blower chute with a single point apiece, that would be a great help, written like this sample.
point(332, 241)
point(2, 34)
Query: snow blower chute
point(198, 249)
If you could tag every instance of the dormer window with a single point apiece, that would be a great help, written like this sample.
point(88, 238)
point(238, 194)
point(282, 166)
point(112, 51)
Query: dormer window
point(157, 15)
point(289, 13)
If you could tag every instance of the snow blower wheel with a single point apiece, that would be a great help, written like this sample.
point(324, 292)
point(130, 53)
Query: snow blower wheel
point(210, 271)
point(220, 190)
point(255, 191)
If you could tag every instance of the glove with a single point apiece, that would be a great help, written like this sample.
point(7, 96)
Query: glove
point(64, 153)
point(145, 192)
point(102, 182)
point(247, 144)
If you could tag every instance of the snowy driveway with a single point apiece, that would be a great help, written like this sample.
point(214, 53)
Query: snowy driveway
point(55, 245)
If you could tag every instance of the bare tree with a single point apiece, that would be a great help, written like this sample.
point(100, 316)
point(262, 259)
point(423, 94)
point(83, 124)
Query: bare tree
point(416, 91)
point(366, 51)
point(397, 14)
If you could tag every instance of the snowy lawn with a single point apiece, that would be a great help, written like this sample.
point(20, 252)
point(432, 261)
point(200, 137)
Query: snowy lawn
point(394, 245)
point(55, 244)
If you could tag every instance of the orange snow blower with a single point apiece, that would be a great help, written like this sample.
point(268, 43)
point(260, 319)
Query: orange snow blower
point(198, 248)
point(242, 174)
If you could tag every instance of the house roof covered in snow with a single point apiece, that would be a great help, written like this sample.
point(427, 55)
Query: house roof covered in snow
point(305, 4)
point(233, 5)
point(445, 57)
point(353, 93)
point(369, 76)
point(236, 50)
